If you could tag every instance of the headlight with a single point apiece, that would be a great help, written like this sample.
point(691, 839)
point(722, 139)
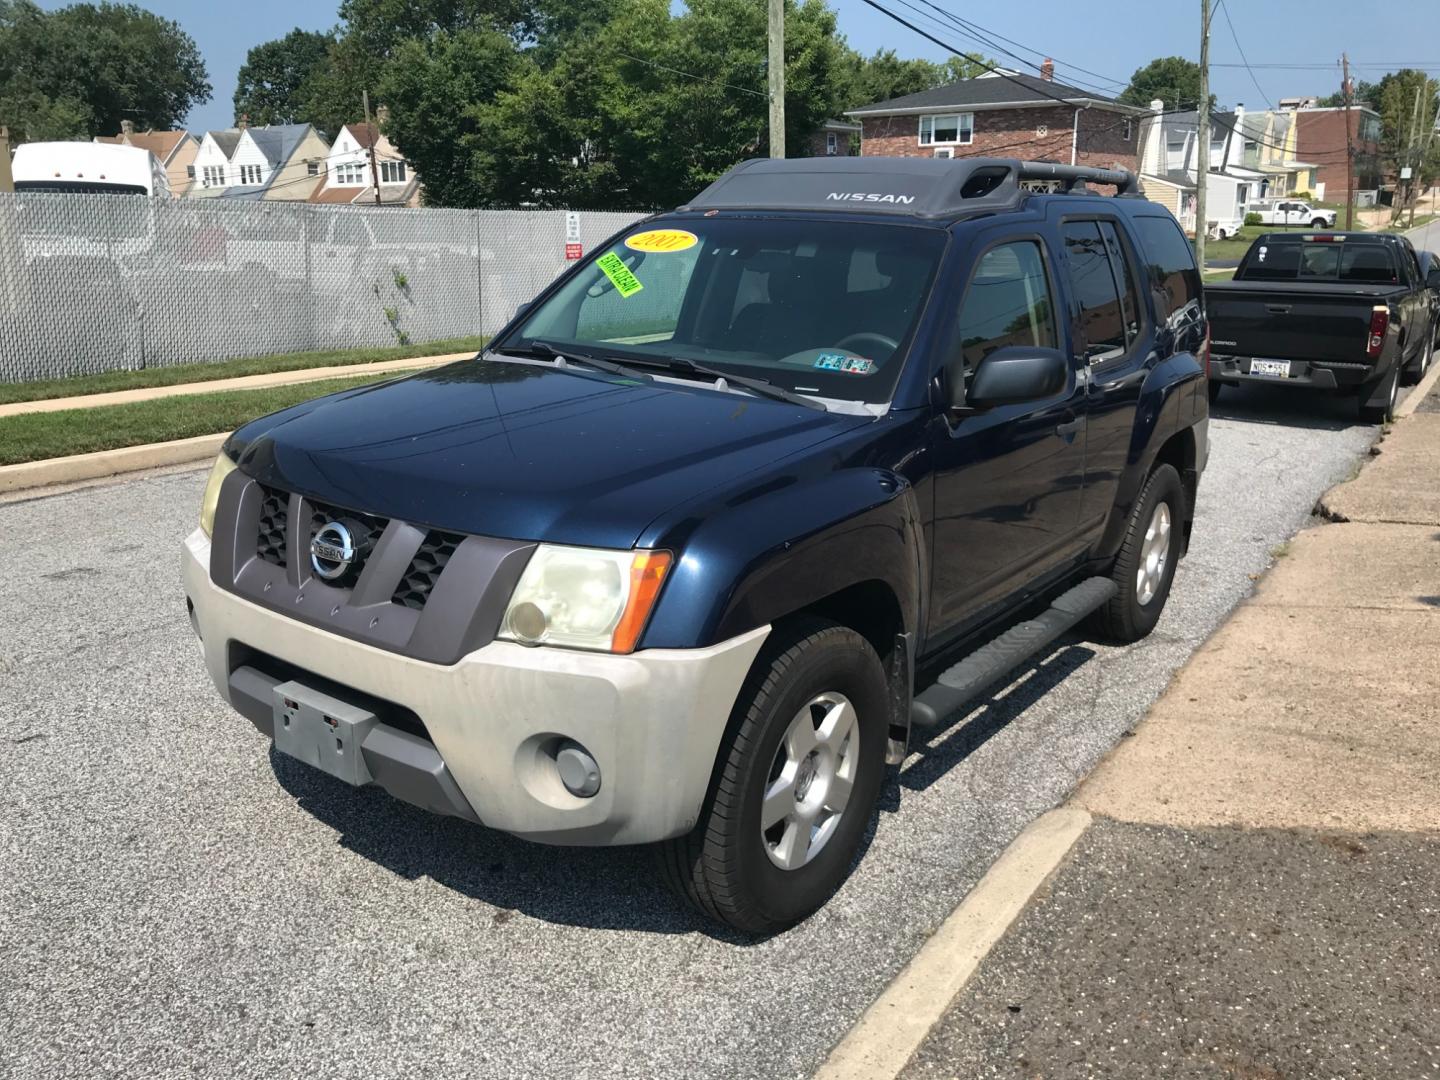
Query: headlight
point(585, 598)
point(223, 468)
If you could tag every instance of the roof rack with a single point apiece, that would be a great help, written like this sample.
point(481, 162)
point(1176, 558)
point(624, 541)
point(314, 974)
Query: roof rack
point(912, 187)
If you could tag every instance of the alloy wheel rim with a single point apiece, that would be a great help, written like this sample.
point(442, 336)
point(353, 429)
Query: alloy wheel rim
point(810, 780)
point(1154, 555)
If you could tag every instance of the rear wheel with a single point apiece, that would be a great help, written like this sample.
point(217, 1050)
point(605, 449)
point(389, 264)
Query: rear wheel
point(1384, 412)
point(1145, 566)
point(795, 784)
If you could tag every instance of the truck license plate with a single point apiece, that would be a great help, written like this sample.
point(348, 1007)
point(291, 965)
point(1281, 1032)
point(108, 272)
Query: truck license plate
point(1278, 368)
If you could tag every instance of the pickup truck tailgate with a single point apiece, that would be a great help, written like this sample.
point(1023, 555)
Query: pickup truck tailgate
point(1318, 322)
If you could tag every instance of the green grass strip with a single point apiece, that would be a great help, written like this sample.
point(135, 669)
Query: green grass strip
point(226, 369)
point(37, 436)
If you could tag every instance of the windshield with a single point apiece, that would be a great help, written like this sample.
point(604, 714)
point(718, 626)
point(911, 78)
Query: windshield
point(820, 307)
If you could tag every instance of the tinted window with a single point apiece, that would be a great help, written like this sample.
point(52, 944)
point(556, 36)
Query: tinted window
point(1007, 303)
point(1169, 264)
point(1359, 263)
point(1125, 279)
point(1101, 318)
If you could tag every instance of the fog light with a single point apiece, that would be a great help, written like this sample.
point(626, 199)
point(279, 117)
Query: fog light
point(578, 770)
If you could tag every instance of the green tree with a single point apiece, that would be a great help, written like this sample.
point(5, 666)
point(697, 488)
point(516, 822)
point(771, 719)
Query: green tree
point(78, 71)
point(1406, 101)
point(1172, 79)
point(279, 80)
point(886, 75)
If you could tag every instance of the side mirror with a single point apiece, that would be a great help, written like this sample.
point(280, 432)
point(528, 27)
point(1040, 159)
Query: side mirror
point(522, 310)
point(1014, 374)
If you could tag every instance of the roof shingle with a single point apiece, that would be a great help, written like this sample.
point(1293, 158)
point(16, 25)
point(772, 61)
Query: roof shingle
point(989, 91)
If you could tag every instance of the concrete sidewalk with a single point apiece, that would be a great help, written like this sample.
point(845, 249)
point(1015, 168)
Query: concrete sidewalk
point(1260, 893)
point(242, 382)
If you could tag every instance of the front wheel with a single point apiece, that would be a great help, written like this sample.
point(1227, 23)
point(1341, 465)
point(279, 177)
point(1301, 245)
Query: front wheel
point(1319, 223)
point(795, 784)
point(1145, 566)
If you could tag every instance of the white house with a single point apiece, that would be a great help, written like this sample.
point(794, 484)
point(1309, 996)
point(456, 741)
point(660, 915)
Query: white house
point(1168, 157)
point(348, 172)
point(280, 161)
point(212, 163)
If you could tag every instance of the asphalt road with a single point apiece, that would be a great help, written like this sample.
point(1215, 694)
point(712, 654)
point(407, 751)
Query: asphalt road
point(174, 900)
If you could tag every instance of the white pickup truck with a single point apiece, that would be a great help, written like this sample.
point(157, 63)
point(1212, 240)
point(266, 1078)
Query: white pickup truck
point(1292, 212)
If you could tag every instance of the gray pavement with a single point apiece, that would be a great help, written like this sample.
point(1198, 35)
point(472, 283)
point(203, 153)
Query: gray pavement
point(174, 900)
point(1262, 954)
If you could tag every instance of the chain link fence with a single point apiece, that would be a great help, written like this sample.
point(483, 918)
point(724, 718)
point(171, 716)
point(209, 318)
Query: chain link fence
point(95, 283)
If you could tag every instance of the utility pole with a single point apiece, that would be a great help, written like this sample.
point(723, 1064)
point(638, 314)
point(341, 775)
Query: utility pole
point(372, 134)
point(1349, 91)
point(1202, 137)
point(776, 68)
point(1410, 148)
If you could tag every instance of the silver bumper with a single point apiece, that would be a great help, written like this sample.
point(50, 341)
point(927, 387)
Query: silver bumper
point(652, 720)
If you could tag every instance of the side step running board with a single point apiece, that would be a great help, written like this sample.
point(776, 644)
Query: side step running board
point(984, 666)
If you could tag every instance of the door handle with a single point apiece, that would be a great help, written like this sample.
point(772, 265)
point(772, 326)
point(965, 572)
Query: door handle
point(1070, 427)
point(1277, 309)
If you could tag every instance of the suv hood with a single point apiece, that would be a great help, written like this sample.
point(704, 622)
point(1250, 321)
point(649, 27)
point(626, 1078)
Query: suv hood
point(525, 451)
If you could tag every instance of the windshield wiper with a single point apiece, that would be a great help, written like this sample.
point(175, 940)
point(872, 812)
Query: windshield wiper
point(682, 365)
point(545, 349)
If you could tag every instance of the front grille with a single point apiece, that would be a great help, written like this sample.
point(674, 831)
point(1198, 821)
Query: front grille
point(424, 569)
point(321, 513)
point(274, 518)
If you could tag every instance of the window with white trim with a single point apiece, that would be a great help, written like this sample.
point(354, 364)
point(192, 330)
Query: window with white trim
point(249, 174)
point(392, 172)
point(349, 174)
point(947, 129)
point(213, 176)
point(312, 168)
point(1127, 129)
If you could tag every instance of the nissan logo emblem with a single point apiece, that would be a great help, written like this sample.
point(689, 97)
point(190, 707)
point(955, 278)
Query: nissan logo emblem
point(332, 550)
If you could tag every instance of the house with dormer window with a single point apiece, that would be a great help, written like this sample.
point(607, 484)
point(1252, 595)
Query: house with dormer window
point(275, 162)
point(350, 177)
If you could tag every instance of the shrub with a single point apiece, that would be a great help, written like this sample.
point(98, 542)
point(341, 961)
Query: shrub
point(1253, 219)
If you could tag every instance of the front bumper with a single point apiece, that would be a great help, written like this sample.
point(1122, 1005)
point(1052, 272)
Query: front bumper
point(653, 720)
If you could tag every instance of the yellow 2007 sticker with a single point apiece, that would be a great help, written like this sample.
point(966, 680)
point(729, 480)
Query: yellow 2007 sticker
point(663, 241)
point(614, 268)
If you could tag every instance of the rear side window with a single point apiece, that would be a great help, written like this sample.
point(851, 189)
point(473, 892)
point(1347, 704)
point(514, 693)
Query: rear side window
point(1103, 317)
point(1008, 302)
point(1170, 267)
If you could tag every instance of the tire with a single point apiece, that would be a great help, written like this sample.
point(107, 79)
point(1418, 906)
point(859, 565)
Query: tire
point(729, 867)
point(1136, 608)
point(1382, 414)
point(1220, 234)
point(1422, 362)
point(1319, 223)
point(1214, 390)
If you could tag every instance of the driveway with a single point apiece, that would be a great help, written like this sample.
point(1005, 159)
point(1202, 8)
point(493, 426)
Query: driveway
point(176, 900)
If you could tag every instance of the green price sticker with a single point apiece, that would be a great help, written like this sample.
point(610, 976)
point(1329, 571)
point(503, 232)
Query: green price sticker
point(626, 283)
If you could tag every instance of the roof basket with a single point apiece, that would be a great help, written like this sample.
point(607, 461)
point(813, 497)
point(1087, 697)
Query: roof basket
point(911, 187)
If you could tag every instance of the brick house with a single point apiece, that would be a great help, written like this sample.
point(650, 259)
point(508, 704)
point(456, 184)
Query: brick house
point(1320, 137)
point(832, 139)
point(1008, 115)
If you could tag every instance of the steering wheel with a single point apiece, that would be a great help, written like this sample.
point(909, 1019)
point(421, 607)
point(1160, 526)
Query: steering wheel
point(849, 342)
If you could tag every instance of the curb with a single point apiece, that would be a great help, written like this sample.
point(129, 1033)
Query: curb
point(220, 386)
point(102, 463)
point(890, 1031)
point(1418, 393)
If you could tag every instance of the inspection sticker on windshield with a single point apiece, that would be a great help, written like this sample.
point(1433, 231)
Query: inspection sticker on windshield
point(663, 241)
point(626, 283)
point(850, 365)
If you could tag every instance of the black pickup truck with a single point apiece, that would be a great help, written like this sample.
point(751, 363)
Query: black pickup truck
point(1343, 311)
point(738, 502)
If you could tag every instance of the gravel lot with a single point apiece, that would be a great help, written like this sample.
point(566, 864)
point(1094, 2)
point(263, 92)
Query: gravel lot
point(175, 900)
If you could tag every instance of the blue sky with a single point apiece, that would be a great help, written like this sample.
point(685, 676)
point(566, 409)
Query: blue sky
point(1270, 32)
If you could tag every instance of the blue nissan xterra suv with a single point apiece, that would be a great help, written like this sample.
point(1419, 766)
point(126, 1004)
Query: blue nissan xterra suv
point(737, 503)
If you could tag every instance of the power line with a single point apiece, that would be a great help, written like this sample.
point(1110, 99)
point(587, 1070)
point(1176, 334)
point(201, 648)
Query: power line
point(690, 75)
point(1236, 37)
